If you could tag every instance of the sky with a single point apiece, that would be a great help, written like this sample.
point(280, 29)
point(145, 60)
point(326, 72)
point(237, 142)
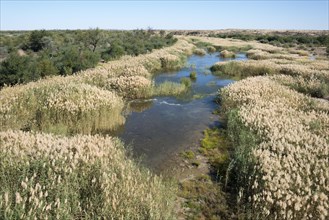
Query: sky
point(187, 15)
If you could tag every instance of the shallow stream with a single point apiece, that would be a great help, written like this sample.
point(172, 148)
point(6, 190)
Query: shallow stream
point(159, 128)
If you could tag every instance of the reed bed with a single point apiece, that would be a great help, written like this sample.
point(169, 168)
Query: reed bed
point(60, 107)
point(288, 178)
point(43, 176)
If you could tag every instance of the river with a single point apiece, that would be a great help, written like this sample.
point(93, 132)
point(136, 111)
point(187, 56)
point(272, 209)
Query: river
point(159, 128)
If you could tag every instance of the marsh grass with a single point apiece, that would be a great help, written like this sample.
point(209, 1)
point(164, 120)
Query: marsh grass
point(169, 89)
point(188, 154)
point(61, 108)
point(186, 81)
point(216, 147)
point(268, 160)
point(239, 70)
point(199, 52)
point(235, 49)
point(227, 54)
point(47, 177)
point(211, 49)
point(204, 199)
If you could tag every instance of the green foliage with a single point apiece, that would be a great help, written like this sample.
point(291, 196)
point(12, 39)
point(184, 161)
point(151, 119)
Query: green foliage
point(278, 39)
point(15, 69)
point(169, 89)
point(45, 67)
point(240, 169)
point(70, 51)
point(204, 199)
point(238, 70)
point(113, 52)
point(188, 154)
point(72, 59)
point(36, 40)
point(193, 75)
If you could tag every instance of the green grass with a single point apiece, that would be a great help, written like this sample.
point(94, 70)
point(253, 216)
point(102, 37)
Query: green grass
point(235, 48)
point(204, 199)
point(169, 89)
point(188, 154)
point(216, 147)
point(237, 69)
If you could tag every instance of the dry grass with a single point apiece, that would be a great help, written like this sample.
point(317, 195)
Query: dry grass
point(199, 51)
point(83, 177)
point(227, 54)
point(289, 177)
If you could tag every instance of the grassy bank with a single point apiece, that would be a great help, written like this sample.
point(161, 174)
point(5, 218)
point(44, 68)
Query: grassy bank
point(278, 135)
point(91, 100)
point(50, 177)
point(46, 176)
point(281, 141)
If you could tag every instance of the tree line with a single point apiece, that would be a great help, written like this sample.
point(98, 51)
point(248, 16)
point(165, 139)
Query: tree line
point(30, 55)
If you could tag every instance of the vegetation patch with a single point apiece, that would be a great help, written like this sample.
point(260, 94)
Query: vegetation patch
point(204, 199)
point(48, 53)
point(169, 89)
point(186, 81)
point(188, 154)
point(199, 52)
point(193, 75)
point(211, 49)
point(227, 54)
point(45, 176)
point(268, 159)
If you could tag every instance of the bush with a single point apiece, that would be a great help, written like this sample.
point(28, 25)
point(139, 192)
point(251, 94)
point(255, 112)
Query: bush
point(71, 51)
point(15, 69)
point(72, 59)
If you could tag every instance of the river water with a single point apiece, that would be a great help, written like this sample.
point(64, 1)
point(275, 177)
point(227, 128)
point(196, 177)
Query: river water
point(159, 128)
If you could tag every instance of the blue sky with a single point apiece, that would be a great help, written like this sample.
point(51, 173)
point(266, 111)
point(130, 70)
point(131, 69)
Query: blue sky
point(293, 14)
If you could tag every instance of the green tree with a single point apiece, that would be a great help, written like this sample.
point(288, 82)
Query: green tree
point(93, 37)
point(14, 69)
point(114, 51)
point(35, 40)
point(73, 59)
point(45, 67)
